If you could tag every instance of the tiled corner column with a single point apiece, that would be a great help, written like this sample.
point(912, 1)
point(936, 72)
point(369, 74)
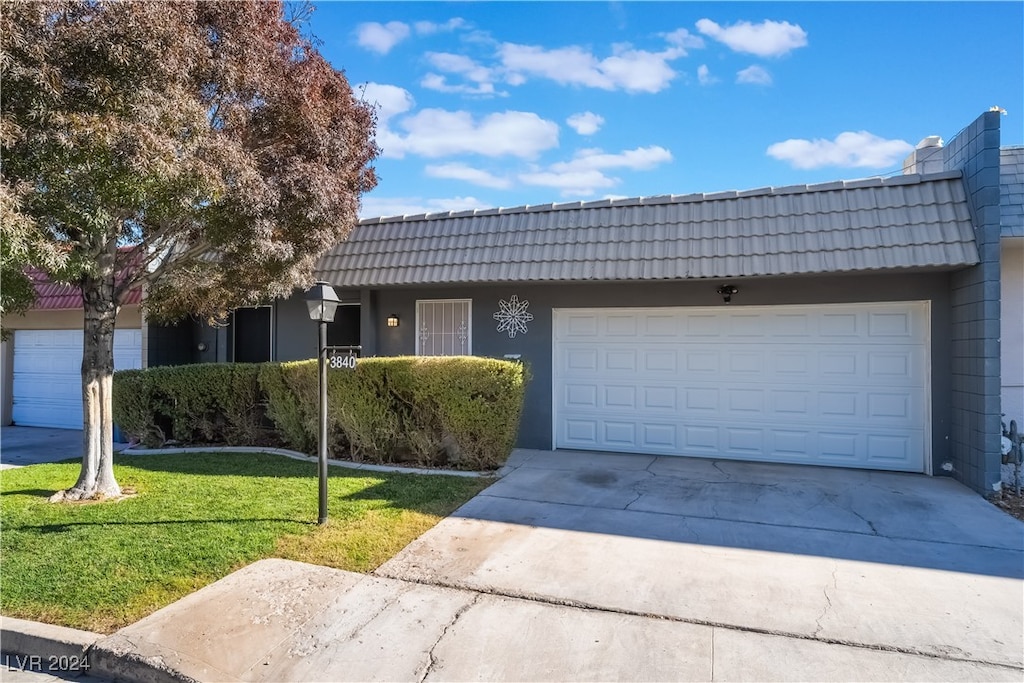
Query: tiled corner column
point(975, 295)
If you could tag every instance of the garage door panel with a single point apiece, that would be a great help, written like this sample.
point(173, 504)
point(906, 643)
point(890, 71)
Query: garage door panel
point(620, 433)
point(660, 437)
point(661, 398)
point(620, 398)
point(835, 384)
point(620, 360)
point(658, 325)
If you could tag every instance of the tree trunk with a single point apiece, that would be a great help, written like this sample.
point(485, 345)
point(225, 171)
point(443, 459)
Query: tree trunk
point(97, 477)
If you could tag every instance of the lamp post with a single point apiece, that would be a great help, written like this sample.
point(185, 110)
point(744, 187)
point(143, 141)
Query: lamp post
point(322, 303)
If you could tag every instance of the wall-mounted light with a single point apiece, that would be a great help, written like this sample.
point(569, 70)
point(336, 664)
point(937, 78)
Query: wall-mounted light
point(393, 320)
point(727, 291)
point(202, 346)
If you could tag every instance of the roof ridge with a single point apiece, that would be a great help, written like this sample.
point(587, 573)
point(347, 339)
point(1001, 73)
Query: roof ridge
point(828, 186)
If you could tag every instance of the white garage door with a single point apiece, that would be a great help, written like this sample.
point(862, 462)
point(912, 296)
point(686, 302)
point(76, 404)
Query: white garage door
point(843, 385)
point(48, 374)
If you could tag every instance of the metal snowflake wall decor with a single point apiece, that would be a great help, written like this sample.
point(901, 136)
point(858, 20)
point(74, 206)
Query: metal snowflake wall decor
point(512, 316)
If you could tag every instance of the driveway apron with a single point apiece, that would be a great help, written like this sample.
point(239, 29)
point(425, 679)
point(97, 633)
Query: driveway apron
point(897, 562)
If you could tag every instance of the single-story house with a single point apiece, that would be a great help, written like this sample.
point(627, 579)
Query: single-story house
point(41, 359)
point(848, 324)
point(851, 324)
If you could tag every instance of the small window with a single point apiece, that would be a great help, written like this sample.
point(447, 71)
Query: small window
point(443, 327)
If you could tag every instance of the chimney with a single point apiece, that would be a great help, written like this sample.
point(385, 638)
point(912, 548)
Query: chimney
point(926, 157)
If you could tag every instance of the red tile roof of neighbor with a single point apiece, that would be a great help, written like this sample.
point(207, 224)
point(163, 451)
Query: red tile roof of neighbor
point(53, 296)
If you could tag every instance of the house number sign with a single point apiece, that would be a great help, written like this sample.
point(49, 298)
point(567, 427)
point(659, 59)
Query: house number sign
point(343, 358)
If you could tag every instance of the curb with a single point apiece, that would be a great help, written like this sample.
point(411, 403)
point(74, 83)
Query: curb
point(117, 658)
point(35, 639)
point(295, 455)
point(84, 653)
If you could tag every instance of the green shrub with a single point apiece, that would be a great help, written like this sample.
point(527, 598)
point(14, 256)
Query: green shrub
point(295, 425)
point(361, 407)
point(133, 406)
point(456, 411)
point(208, 402)
point(476, 402)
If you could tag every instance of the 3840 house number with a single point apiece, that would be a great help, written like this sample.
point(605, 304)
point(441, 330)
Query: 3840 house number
point(342, 361)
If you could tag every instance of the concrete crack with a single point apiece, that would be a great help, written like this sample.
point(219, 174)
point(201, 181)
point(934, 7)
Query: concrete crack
point(455, 617)
point(588, 606)
point(639, 495)
point(379, 611)
point(714, 463)
point(871, 525)
point(686, 525)
point(828, 602)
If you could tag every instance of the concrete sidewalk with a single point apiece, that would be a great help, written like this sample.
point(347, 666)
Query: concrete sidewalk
point(277, 620)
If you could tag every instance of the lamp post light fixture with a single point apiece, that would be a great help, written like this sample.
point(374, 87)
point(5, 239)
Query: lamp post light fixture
point(322, 303)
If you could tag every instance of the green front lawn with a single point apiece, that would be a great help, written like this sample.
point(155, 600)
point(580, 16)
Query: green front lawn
point(195, 518)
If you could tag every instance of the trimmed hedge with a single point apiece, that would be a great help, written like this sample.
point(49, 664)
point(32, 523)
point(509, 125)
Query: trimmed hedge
point(205, 403)
point(454, 411)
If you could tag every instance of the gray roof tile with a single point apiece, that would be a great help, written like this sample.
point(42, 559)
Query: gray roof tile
point(900, 222)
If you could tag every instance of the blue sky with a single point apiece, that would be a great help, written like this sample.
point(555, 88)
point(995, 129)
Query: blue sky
point(504, 104)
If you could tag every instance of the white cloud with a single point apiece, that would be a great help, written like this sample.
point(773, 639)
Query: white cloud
point(682, 38)
point(380, 38)
point(639, 159)
point(373, 207)
point(585, 123)
point(481, 76)
point(476, 176)
point(439, 132)
point(462, 65)
point(578, 183)
point(767, 39)
point(627, 69)
point(849, 150)
point(440, 84)
point(754, 75)
point(427, 28)
point(584, 174)
point(390, 100)
point(704, 76)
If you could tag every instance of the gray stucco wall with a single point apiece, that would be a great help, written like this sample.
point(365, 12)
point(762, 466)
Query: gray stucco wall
point(295, 335)
point(535, 346)
point(975, 296)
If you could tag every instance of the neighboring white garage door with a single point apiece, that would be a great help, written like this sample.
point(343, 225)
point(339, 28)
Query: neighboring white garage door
point(843, 385)
point(48, 374)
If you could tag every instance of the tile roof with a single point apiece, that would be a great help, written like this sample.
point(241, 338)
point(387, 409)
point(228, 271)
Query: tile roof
point(52, 296)
point(907, 221)
point(1011, 191)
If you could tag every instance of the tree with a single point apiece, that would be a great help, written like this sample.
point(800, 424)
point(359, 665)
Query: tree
point(210, 136)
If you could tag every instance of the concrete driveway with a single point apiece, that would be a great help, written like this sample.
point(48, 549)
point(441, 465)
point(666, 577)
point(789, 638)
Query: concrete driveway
point(878, 561)
point(21, 446)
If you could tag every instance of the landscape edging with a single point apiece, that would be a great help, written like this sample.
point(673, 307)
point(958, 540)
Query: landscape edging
point(296, 455)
